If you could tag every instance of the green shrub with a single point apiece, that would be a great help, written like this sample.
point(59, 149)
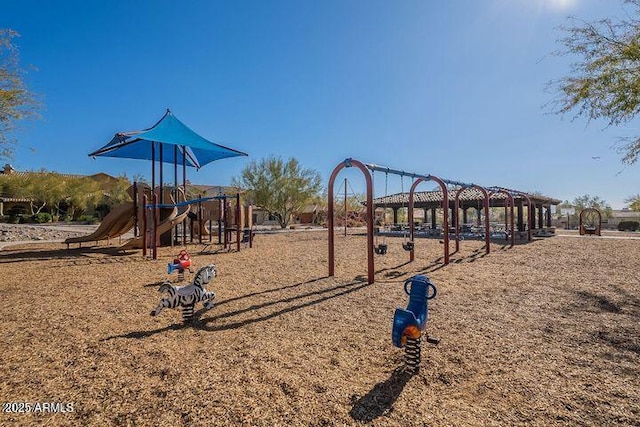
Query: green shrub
point(628, 225)
point(42, 217)
point(89, 219)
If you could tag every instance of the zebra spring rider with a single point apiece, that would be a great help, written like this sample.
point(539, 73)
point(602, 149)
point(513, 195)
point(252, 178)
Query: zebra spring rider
point(187, 296)
point(410, 323)
point(181, 263)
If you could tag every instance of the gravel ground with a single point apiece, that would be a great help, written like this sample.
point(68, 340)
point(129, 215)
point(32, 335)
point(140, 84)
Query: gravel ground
point(543, 334)
point(27, 232)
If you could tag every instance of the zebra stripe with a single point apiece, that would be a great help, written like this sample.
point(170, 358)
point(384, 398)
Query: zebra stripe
point(187, 296)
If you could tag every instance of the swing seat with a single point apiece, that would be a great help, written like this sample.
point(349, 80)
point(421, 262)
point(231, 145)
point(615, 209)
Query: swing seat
point(381, 249)
point(408, 246)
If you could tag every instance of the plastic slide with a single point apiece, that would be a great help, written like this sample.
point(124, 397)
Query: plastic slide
point(117, 222)
point(167, 224)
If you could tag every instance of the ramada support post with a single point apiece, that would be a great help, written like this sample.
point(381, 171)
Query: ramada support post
point(433, 218)
point(370, 264)
point(540, 217)
point(520, 215)
point(530, 217)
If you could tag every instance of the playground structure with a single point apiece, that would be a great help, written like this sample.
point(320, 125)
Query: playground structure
point(178, 222)
point(233, 219)
point(186, 297)
point(409, 324)
point(590, 222)
point(503, 196)
point(167, 141)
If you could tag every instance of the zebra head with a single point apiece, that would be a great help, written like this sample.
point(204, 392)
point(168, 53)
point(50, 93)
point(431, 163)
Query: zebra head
point(204, 275)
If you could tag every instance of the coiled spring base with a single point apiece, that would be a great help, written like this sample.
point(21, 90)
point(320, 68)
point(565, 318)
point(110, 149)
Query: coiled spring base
point(412, 354)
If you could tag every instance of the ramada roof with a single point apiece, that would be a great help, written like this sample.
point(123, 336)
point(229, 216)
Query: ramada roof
point(470, 197)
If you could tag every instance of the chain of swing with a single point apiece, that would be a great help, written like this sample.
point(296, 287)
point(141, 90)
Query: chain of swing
point(381, 246)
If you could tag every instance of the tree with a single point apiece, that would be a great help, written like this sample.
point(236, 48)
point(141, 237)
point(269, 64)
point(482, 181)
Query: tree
point(634, 202)
point(595, 202)
point(280, 188)
point(16, 101)
point(80, 194)
point(40, 189)
point(605, 81)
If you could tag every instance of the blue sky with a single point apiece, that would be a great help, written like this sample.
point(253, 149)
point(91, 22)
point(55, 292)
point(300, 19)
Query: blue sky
point(451, 88)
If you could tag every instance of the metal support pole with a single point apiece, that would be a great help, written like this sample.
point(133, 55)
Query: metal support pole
point(153, 167)
point(144, 225)
point(221, 205)
point(238, 222)
point(184, 190)
point(135, 209)
point(200, 219)
point(155, 226)
point(345, 207)
point(161, 177)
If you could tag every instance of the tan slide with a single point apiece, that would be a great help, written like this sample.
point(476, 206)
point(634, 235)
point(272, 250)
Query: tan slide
point(167, 224)
point(117, 222)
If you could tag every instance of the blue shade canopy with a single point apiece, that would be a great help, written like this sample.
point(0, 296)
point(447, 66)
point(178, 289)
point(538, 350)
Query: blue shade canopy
point(169, 141)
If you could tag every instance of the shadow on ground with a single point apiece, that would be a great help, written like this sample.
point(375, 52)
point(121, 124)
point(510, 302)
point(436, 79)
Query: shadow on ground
point(292, 303)
point(379, 401)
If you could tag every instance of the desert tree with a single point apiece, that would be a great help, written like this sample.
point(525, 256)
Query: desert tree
point(634, 202)
point(587, 201)
point(279, 187)
point(80, 194)
point(604, 80)
point(16, 101)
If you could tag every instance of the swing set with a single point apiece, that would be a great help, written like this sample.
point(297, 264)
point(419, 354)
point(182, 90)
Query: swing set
point(407, 245)
point(590, 222)
point(374, 247)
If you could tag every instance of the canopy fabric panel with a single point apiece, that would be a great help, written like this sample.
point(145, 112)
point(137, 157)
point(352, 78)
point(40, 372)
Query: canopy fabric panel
point(168, 133)
point(131, 148)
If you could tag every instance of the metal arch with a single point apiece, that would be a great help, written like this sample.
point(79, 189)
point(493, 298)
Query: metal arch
point(511, 204)
point(370, 263)
point(590, 210)
point(487, 237)
point(445, 207)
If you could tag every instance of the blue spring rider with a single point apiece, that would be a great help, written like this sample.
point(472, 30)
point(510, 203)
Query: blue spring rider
point(409, 324)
